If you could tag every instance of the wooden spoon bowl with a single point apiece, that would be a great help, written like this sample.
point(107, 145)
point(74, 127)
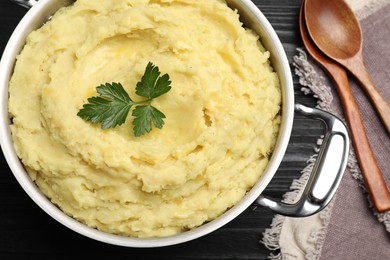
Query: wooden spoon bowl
point(334, 28)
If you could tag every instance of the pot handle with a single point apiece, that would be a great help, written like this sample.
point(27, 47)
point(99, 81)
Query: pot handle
point(25, 3)
point(327, 171)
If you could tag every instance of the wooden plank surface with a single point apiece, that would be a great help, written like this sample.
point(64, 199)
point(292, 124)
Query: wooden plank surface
point(27, 232)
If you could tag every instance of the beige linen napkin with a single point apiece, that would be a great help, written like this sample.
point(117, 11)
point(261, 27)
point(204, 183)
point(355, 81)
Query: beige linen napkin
point(348, 228)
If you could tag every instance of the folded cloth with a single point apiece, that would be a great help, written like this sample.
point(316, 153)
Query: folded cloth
point(349, 228)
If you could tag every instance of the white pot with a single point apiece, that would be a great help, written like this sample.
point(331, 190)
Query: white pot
point(318, 193)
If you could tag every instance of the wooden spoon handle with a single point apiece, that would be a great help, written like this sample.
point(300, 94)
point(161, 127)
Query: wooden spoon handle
point(372, 175)
point(356, 66)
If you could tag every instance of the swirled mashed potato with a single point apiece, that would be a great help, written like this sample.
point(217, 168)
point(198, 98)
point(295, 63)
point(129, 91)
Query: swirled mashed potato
point(222, 113)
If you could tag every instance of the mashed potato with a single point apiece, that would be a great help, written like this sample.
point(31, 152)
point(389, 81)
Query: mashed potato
point(222, 113)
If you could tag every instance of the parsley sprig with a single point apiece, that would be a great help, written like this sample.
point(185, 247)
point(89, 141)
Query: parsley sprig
point(113, 105)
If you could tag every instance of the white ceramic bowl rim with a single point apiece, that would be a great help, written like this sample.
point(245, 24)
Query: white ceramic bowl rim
point(33, 19)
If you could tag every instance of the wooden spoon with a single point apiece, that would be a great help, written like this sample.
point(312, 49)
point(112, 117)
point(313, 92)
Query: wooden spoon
point(336, 31)
point(373, 177)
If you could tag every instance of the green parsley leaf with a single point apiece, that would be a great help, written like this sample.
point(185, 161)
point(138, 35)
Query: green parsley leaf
point(144, 117)
point(113, 105)
point(110, 109)
point(148, 87)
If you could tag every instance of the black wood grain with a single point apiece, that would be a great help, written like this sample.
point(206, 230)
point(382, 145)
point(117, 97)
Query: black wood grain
point(26, 232)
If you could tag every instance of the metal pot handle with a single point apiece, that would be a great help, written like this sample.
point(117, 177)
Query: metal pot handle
point(327, 172)
point(25, 3)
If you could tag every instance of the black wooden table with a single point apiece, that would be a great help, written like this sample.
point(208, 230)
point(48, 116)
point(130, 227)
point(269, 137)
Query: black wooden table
point(26, 232)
